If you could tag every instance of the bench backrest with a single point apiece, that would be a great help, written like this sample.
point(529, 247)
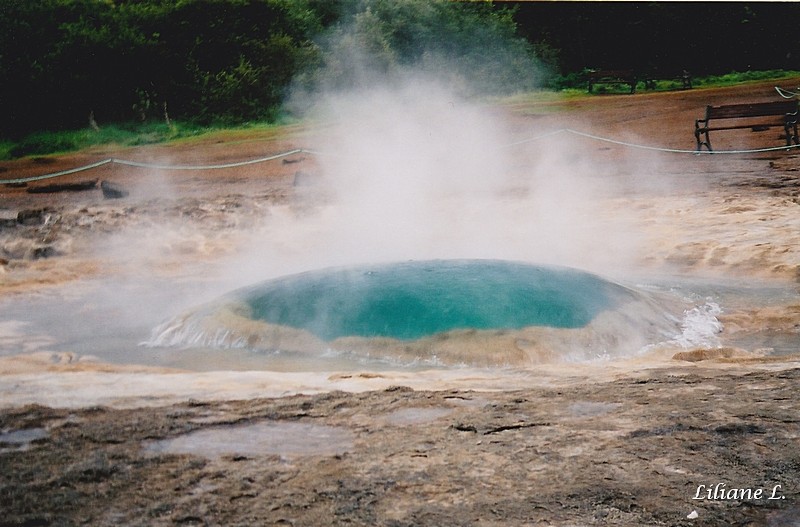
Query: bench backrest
point(611, 74)
point(734, 111)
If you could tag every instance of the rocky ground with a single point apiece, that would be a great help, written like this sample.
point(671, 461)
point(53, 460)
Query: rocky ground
point(633, 451)
point(625, 445)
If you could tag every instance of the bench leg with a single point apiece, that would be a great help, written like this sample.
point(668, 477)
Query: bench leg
point(700, 144)
point(791, 133)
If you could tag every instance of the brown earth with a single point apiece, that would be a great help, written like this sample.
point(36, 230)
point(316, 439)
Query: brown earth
point(626, 446)
point(628, 452)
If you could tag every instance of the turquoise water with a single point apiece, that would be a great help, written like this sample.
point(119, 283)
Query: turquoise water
point(414, 299)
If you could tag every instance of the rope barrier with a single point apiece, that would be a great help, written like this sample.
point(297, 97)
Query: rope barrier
point(678, 150)
point(645, 147)
point(539, 137)
point(786, 94)
point(152, 166)
point(630, 145)
point(535, 138)
point(205, 167)
point(56, 174)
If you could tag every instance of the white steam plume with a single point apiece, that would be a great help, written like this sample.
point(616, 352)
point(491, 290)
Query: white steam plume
point(412, 170)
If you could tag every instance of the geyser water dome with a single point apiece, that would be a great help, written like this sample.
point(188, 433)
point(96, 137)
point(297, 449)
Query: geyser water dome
point(476, 312)
point(411, 300)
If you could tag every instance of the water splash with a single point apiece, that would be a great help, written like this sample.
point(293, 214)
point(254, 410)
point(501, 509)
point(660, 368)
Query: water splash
point(700, 326)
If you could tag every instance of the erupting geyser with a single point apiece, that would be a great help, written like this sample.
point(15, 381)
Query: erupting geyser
point(480, 312)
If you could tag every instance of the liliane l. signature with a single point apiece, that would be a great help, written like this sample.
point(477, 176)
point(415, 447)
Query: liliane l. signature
point(720, 492)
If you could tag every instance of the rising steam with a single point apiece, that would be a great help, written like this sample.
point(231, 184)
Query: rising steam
point(413, 170)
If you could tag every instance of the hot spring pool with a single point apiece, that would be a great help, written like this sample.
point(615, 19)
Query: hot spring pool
point(411, 300)
point(471, 312)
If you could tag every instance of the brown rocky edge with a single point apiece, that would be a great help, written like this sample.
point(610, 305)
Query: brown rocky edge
point(633, 451)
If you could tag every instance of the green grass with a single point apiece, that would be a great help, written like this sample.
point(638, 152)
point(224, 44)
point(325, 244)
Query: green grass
point(5, 149)
point(733, 78)
point(540, 102)
point(123, 134)
point(48, 142)
point(547, 101)
point(711, 81)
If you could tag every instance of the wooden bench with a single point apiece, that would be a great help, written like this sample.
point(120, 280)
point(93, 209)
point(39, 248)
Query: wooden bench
point(612, 77)
point(754, 116)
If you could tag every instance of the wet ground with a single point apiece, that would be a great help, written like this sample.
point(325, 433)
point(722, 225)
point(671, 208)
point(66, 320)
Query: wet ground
point(635, 451)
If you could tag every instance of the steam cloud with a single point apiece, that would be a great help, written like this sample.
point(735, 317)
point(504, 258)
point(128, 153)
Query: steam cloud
point(412, 170)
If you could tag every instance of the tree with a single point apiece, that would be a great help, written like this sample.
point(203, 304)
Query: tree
point(472, 44)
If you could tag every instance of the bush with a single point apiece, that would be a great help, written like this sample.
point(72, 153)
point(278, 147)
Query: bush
point(42, 143)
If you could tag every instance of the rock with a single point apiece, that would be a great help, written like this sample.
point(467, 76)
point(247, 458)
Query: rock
point(63, 187)
point(702, 354)
point(45, 251)
point(31, 216)
point(8, 219)
point(112, 191)
point(14, 249)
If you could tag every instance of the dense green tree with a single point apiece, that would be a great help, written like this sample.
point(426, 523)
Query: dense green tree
point(472, 43)
point(236, 60)
point(122, 60)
